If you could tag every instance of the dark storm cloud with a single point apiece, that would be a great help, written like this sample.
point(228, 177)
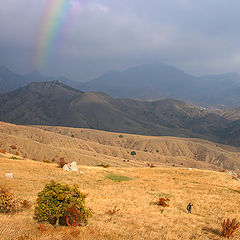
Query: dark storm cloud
point(198, 36)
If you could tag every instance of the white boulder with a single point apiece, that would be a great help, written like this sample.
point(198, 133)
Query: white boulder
point(9, 175)
point(72, 167)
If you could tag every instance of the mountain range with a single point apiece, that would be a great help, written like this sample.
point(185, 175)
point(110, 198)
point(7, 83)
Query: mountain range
point(54, 103)
point(147, 82)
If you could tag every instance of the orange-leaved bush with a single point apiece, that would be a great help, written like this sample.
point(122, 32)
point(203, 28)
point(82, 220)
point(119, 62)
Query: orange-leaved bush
point(229, 227)
point(163, 202)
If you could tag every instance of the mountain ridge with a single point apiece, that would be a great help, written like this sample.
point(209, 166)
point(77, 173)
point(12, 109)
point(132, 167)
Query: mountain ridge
point(148, 82)
point(54, 103)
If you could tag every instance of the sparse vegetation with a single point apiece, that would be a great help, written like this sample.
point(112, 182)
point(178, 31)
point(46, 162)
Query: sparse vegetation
point(215, 195)
point(229, 227)
point(46, 161)
point(103, 165)
point(58, 202)
point(15, 158)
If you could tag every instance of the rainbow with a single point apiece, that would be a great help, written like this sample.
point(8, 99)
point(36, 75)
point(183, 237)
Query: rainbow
point(51, 28)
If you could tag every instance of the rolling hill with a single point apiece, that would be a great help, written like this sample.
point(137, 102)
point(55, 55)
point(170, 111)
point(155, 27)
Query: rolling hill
point(53, 103)
point(93, 147)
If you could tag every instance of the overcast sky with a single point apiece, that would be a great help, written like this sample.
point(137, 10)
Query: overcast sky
point(198, 36)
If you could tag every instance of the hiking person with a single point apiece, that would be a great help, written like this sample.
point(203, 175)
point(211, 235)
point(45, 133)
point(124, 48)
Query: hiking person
point(189, 207)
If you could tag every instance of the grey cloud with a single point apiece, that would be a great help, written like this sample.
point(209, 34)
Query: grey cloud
point(199, 36)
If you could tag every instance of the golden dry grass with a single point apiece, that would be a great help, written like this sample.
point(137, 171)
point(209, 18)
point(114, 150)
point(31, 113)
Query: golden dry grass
point(215, 196)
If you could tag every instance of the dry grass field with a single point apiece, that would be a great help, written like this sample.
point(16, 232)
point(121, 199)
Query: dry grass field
point(215, 196)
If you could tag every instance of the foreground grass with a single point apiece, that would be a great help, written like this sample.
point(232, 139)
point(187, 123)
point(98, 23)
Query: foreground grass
point(215, 196)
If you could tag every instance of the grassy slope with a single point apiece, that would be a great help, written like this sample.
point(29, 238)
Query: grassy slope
point(215, 196)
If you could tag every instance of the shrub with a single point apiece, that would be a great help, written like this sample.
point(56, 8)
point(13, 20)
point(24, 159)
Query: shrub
point(8, 204)
point(229, 227)
point(46, 161)
point(26, 204)
point(120, 136)
point(56, 200)
point(133, 153)
point(151, 165)
point(62, 162)
point(163, 202)
point(104, 165)
point(15, 158)
point(72, 136)
point(157, 151)
point(13, 147)
point(114, 211)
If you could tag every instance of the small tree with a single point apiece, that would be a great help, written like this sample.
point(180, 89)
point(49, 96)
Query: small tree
point(133, 153)
point(55, 200)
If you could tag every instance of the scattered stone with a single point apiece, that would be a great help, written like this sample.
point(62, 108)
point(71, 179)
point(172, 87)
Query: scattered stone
point(81, 172)
point(72, 167)
point(9, 175)
point(233, 174)
point(190, 169)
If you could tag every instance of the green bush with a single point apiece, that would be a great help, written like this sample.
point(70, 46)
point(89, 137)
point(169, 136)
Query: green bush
point(55, 200)
point(133, 153)
point(104, 165)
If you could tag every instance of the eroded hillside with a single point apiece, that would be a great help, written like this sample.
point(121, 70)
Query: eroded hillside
point(92, 147)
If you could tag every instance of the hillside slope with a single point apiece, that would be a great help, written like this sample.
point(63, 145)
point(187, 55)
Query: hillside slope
point(53, 103)
point(92, 147)
point(215, 196)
